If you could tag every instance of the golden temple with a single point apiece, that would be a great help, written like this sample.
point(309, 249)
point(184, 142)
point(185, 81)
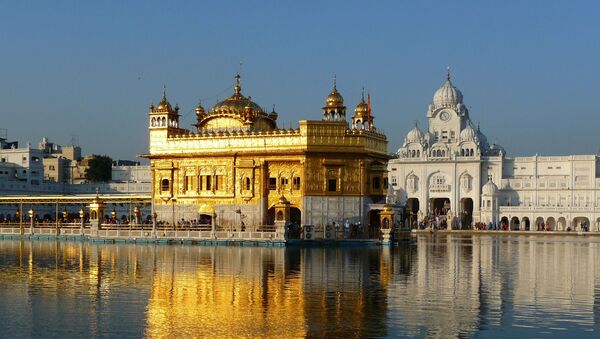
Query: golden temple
point(237, 167)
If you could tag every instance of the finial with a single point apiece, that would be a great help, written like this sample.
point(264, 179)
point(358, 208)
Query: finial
point(417, 124)
point(448, 73)
point(237, 88)
point(334, 82)
point(273, 111)
point(164, 92)
point(363, 94)
point(477, 126)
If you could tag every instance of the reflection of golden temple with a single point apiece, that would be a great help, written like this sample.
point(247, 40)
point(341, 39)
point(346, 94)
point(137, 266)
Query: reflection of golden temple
point(238, 163)
point(231, 292)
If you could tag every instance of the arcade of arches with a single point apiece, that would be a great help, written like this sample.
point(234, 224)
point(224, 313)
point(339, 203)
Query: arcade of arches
point(550, 223)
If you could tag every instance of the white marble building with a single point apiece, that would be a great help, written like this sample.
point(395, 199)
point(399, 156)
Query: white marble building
point(450, 166)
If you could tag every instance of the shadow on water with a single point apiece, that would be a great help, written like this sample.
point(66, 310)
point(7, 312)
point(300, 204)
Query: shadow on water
point(456, 286)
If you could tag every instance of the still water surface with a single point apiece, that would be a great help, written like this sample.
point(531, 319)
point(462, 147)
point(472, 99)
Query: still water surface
point(447, 286)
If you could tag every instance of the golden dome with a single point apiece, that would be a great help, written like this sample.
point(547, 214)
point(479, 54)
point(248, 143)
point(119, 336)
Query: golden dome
point(362, 109)
point(236, 112)
point(334, 99)
point(200, 110)
point(164, 104)
point(237, 103)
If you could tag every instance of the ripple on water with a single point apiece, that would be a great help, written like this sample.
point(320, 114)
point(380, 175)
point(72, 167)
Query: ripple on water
point(443, 286)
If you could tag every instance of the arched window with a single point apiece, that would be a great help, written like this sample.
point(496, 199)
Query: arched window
point(466, 182)
point(153, 122)
point(418, 153)
point(247, 183)
point(462, 152)
point(413, 153)
point(443, 153)
point(164, 185)
point(412, 183)
point(164, 122)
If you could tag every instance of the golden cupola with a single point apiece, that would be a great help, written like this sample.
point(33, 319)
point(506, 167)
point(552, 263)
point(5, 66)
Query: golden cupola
point(235, 113)
point(334, 109)
point(164, 105)
point(200, 112)
point(362, 118)
point(163, 115)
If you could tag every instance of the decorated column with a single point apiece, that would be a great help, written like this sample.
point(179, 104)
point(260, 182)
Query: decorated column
point(282, 217)
point(96, 214)
point(386, 218)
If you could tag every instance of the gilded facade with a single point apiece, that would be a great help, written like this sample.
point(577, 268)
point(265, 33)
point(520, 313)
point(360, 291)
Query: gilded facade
point(237, 164)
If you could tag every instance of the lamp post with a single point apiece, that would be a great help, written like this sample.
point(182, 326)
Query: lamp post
point(81, 215)
point(31, 214)
point(136, 212)
point(154, 216)
point(18, 215)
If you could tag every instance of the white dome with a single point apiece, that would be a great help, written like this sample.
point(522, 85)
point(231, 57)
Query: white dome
point(415, 135)
point(468, 134)
point(447, 95)
point(489, 188)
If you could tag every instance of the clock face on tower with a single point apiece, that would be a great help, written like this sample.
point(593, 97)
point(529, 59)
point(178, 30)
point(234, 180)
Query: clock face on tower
point(445, 116)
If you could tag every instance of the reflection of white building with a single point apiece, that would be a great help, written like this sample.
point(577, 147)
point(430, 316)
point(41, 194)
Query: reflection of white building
point(451, 166)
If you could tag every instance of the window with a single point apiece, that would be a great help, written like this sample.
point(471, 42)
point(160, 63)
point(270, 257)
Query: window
point(272, 184)
point(284, 182)
point(218, 182)
point(204, 182)
point(376, 183)
point(164, 185)
point(247, 184)
point(188, 182)
point(51, 167)
point(439, 180)
point(331, 185)
point(296, 183)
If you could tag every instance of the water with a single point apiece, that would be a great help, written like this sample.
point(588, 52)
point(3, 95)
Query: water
point(447, 286)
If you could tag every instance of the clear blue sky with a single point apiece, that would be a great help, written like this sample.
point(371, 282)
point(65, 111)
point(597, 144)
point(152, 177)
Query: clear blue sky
point(528, 70)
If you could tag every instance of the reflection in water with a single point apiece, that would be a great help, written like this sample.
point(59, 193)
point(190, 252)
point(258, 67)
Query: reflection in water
point(441, 286)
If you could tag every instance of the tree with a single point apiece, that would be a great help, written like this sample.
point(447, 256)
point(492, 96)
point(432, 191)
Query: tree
point(99, 168)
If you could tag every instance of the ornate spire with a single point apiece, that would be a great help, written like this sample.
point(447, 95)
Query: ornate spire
point(164, 98)
point(334, 82)
point(448, 73)
point(237, 87)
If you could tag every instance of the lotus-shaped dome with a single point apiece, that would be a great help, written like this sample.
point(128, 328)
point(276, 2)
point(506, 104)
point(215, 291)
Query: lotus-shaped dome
point(415, 135)
point(237, 103)
point(489, 188)
point(447, 95)
point(468, 134)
